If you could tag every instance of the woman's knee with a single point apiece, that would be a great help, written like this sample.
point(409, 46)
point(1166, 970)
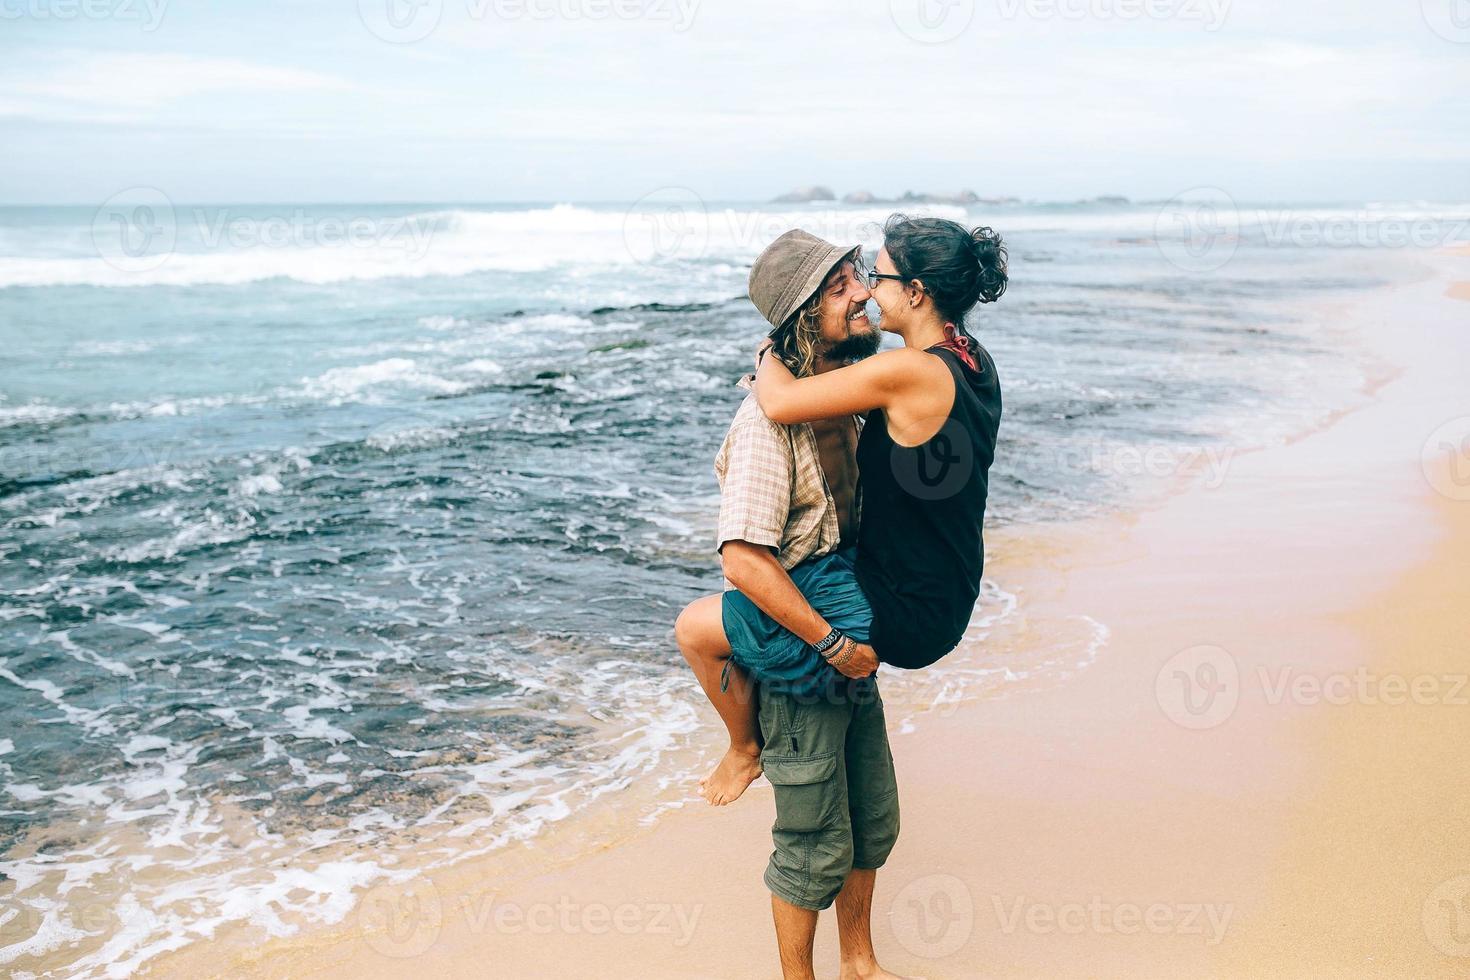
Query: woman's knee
point(700, 627)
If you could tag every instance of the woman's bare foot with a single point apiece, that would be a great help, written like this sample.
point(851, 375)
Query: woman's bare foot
point(737, 770)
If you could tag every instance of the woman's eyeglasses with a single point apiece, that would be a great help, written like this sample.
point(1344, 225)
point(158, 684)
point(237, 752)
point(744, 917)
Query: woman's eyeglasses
point(871, 277)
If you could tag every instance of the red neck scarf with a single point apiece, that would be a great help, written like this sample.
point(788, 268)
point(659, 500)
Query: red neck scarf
point(960, 345)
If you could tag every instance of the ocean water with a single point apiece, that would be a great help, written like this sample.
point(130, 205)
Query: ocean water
point(339, 540)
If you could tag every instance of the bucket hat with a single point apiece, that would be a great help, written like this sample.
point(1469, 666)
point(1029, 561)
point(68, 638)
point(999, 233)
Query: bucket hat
point(790, 270)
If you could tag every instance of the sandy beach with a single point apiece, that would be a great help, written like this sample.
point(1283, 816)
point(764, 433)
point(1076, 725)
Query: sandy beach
point(1259, 776)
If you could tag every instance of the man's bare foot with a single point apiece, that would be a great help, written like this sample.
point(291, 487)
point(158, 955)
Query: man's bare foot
point(737, 770)
point(870, 972)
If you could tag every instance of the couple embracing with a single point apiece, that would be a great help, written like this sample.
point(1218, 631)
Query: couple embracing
point(853, 491)
point(853, 487)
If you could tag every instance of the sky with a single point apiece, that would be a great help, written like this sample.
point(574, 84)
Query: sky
point(609, 100)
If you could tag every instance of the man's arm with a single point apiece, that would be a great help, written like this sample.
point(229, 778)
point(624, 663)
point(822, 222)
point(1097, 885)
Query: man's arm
point(755, 473)
point(754, 570)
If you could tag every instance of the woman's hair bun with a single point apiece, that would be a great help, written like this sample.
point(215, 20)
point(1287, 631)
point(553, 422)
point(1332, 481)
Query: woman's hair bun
point(958, 267)
point(990, 255)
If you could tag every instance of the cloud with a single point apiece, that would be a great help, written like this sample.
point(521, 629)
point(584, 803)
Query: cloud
point(83, 86)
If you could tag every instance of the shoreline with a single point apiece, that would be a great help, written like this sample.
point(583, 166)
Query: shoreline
point(1099, 832)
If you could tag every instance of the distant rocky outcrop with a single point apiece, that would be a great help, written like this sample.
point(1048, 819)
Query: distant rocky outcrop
point(963, 197)
point(859, 197)
point(805, 195)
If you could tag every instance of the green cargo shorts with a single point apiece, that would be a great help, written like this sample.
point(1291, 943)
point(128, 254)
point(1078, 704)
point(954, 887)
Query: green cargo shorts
point(827, 758)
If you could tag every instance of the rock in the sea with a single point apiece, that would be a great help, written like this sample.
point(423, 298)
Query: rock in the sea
point(859, 197)
point(963, 197)
point(803, 195)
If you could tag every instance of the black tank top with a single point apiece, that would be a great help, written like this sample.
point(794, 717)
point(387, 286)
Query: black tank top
point(920, 545)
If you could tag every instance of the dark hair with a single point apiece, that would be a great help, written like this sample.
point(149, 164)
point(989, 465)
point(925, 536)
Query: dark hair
point(958, 268)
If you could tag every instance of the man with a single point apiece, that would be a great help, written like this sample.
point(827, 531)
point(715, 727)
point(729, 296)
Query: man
point(789, 498)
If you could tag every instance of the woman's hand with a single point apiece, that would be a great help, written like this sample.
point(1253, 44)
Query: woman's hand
point(862, 662)
point(760, 350)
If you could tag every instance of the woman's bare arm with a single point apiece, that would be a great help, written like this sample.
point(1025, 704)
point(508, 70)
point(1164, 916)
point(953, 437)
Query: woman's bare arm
point(871, 383)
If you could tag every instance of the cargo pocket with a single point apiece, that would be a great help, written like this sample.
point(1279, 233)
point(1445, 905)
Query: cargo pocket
point(803, 786)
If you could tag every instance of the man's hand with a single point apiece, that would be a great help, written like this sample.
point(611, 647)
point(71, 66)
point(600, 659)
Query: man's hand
point(862, 663)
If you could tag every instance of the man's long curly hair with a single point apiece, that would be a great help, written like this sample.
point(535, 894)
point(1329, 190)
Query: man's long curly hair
point(796, 341)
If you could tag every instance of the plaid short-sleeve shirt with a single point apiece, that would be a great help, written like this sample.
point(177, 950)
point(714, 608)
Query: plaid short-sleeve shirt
point(772, 489)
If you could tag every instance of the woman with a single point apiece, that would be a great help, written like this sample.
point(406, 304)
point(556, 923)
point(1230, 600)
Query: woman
point(932, 412)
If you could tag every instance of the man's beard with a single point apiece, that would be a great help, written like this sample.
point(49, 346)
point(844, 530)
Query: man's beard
point(855, 347)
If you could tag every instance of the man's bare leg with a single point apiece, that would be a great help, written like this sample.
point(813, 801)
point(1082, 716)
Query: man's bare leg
point(796, 927)
point(700, 630)
point(855, 927)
